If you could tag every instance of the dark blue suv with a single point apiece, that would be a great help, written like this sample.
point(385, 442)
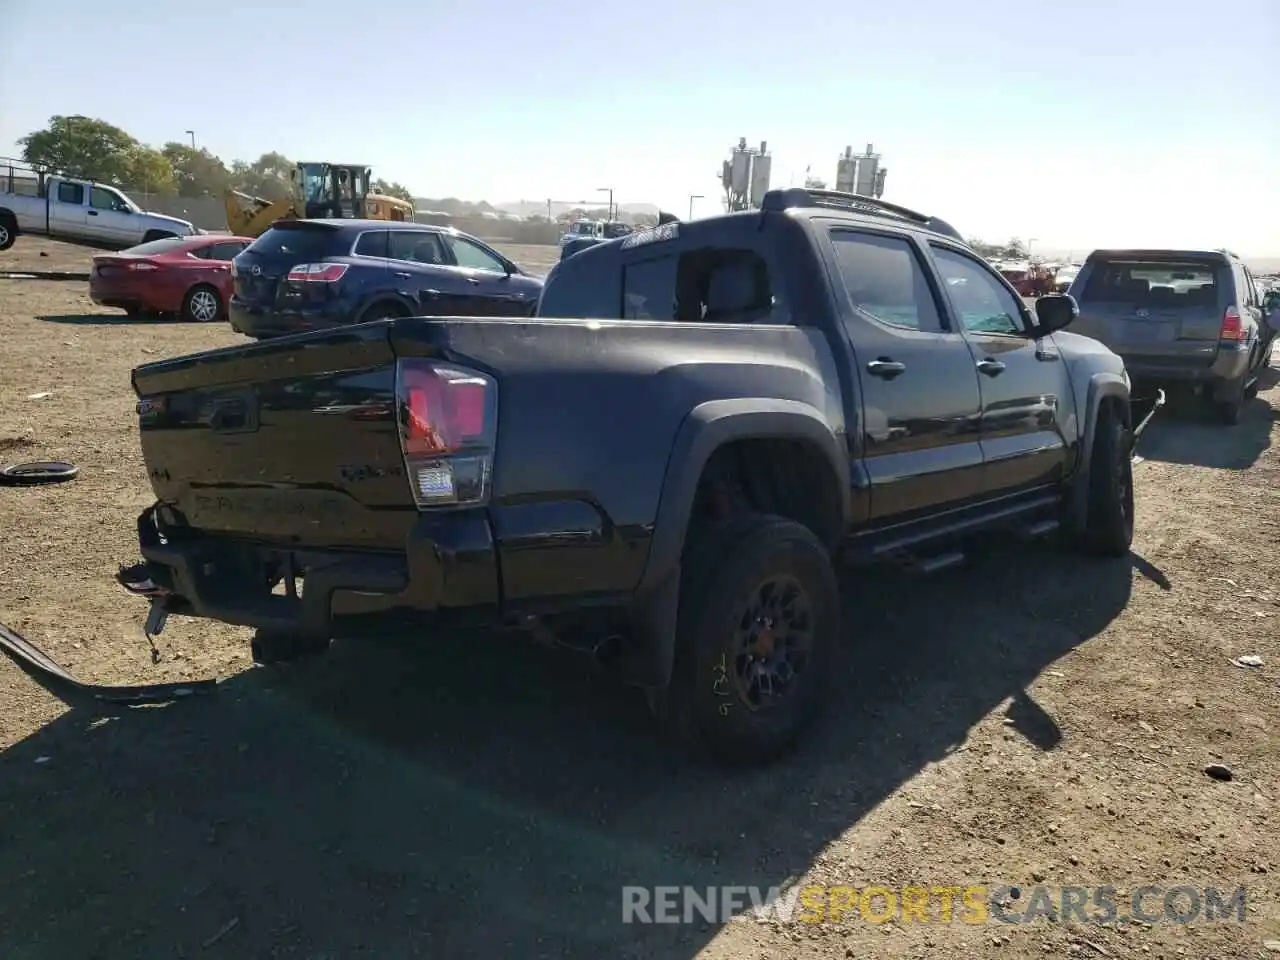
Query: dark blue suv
point(309, 274)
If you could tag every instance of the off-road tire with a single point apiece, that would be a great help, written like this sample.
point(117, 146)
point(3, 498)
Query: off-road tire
point(271, 647)
point(203, 304)
point(1108, 528)
point(702, 710)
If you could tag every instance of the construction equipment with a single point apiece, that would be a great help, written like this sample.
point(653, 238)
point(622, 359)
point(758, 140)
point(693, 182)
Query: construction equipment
point(316, 190)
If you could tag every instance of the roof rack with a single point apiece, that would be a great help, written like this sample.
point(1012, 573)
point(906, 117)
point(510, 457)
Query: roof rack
point(795, 197)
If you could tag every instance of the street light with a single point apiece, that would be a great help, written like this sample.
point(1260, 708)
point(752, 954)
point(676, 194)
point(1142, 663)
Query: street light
point(693, 197)
point(608, 190)
point(1030, 241)
point(192, 135)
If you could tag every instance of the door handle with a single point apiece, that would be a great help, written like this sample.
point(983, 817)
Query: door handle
point(473, 281)
point(93, 213)
point(992, 368)
point(402, 274)
point(433, 294)
point(885, 368)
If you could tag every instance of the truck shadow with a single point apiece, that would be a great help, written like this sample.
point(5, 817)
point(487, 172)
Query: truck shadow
point(1184, 433)
point(478, 796)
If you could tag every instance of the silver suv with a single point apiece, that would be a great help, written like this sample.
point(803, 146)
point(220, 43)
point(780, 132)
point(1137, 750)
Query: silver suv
point(1187, 318)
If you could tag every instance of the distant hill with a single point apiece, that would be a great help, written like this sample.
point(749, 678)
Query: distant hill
point(527, 208)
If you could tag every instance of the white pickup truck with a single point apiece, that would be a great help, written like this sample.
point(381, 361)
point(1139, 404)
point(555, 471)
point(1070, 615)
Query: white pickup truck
point(83, 211)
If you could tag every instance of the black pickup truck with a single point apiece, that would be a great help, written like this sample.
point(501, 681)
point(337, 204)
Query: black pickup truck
point(659, 468)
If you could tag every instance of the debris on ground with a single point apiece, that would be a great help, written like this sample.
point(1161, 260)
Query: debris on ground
point(1248, 660)
point(1219, 772)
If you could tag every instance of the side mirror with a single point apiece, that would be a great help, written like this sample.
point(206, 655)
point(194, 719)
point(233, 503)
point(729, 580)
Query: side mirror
point(1055, 312)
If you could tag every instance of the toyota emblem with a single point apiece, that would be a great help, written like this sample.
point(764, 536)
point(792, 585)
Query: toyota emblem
point(1141, 313)
point(257, 270)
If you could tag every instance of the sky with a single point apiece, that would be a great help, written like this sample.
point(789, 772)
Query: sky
point(1081, 124)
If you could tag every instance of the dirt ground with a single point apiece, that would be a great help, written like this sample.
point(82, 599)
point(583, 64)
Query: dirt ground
point(1030, 719)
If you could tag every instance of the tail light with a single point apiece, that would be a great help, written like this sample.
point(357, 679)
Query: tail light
point(1232, 326)
point(318, 272)
point(448, 417)
point(142, 265)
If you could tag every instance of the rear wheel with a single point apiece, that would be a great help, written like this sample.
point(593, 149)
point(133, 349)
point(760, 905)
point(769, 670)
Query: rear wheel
point(1227, 407)
point(202, 304)
point(8, 232)
point(382, 311)
point(756, 639)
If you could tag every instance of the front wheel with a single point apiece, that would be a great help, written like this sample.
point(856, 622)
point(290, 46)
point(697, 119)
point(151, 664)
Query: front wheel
point(1108, 528)
point(202, 304)
point(8, 232)
point(756, 638)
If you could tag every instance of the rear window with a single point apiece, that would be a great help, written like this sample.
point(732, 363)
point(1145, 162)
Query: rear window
point(296, 242)
point(1162, 283)
point(150, 249)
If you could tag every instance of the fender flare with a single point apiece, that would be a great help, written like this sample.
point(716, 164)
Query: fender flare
point(706, 428)
point(1101, 386)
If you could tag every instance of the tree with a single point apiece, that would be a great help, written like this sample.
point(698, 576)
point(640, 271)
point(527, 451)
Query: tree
point(149, 171)
point(269, 177)
point(197, 173)
point(1015, 249)
point(984, 249)
point(392, 189)
point(82, 146)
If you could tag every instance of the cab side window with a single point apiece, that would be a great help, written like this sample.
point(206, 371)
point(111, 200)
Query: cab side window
point(709, 285)
point(982, 303)
point(101, 199)
point(71, 193)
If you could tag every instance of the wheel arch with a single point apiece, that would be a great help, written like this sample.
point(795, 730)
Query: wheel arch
point(1106, 392)
point(711, 428)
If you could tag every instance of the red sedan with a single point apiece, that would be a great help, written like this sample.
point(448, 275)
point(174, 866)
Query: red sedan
point(189, 276)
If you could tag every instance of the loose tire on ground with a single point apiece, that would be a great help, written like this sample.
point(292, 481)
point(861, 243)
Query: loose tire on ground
point(38, 472)
point(1108, 530)
point(202, 304)
point(725, 599)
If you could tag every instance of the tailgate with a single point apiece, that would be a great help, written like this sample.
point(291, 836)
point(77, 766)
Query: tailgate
point(1158, 310)
point(292, 441)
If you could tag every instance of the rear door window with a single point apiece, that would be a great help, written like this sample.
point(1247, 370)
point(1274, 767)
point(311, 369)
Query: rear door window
point(153, 247)
point(71, 193)
point(1154, 284)
point(417, 246)
point(309, 242)
point(884, 281)
point(372, 243)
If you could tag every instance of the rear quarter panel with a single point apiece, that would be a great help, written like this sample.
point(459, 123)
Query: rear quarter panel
point(588, 415)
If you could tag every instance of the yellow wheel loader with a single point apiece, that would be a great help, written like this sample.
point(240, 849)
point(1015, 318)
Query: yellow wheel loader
point(316, 190)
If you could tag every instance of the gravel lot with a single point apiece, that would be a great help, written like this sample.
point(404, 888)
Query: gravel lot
point(1029, 719)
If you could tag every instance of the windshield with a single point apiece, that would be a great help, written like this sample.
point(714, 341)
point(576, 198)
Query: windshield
point(583, 228)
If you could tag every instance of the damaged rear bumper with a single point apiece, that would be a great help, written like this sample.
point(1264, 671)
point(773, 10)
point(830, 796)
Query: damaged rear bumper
point(447, 565)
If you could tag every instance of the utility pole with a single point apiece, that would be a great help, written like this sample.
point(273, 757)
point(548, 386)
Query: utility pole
point(693, 197)
point(192, 135)
point(608, 190)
